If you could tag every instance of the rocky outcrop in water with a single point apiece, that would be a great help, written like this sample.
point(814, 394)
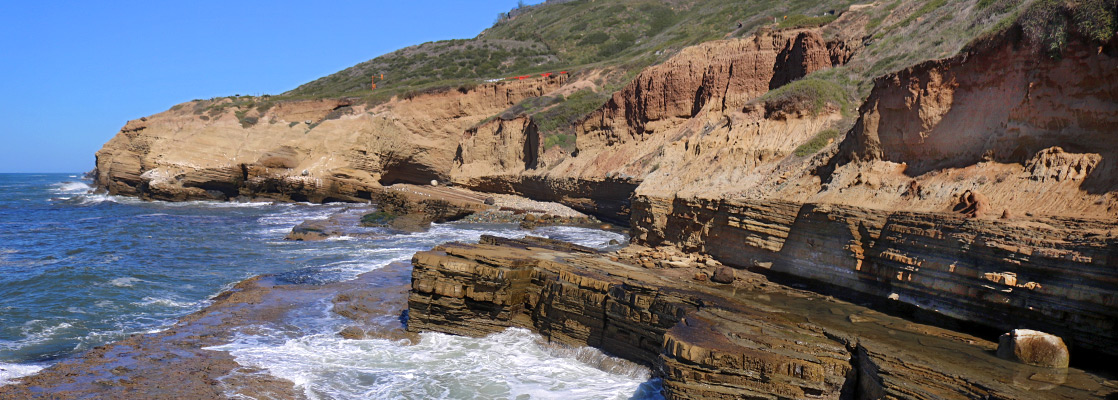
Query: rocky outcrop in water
point(750, 338)
point(178, 362)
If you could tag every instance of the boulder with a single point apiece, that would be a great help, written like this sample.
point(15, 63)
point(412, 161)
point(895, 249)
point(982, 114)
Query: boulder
point(723, 275)
point(1034, 348)
point(411, 222)
point(972, 204)
point(308, 231)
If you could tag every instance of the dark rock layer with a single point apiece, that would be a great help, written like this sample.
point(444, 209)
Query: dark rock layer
point(748, 339)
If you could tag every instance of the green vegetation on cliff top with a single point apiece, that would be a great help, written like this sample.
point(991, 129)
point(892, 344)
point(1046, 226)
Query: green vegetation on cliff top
point(619, 38)
point(621, 35)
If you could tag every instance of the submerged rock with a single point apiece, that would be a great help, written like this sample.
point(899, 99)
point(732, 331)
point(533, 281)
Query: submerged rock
point(308, 231)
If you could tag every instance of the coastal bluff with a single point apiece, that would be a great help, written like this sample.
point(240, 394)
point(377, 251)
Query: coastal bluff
point(979, 188)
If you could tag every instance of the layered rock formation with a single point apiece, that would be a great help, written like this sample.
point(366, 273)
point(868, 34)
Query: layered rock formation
point(1051, 274)
point(749, 339)
point(955, 147)
point(985, 197)
point(302, 150)
point(724, 75)
point(693, 123)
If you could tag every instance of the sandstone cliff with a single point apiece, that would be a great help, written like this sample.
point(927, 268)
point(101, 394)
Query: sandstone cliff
point(988, 197)
point(318, 150)
point(882, 213)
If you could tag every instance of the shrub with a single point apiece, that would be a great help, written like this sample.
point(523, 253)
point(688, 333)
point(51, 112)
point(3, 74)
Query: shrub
point(245, 120)
point(574, 108)
point(662, 18)
point(563, 140)
point(613, 48)
point(594, 38)
point(1049, 22)
point(805, 94)
point(264, 106)
point(339, 112)
point(821, 140)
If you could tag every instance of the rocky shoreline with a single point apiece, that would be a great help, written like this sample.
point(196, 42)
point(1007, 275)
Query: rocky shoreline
point(748, 337)
point(179, 362)
point(709, 330)
point(986, 200)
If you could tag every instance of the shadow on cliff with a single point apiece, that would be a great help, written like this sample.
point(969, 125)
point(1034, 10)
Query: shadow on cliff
point(952, 113)
point(898, 264)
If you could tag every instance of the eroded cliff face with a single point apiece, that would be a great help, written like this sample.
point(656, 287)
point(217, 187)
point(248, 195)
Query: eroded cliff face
point(724, 75)
point(697, 111)
point(302, 150)
point(954, 113)
point(986, 197)
point(689, 125)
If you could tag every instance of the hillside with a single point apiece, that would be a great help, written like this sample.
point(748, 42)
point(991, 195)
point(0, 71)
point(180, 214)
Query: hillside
point(625, 34)
point(604, 45)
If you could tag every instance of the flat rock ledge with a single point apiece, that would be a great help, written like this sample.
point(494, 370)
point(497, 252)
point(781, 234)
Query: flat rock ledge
point(749, 338)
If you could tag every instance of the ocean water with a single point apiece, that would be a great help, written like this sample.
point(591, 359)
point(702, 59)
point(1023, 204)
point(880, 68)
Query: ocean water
point(78, 270)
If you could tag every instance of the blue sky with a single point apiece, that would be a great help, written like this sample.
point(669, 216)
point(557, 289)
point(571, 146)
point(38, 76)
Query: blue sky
point(73, 72)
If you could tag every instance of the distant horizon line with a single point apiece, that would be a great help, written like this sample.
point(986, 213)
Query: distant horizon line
point(41, 173)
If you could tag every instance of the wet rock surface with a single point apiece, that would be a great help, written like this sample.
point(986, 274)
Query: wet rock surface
point(752, 338)
point(176, 364)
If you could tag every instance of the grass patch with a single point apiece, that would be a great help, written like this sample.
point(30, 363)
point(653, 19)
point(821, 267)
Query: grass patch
point(565, 141)
point(821, 140)
point(1051, 22)
point(562, 116)
point(804, 21)
point(808, 94)
point(878, 19)
point(926, 8)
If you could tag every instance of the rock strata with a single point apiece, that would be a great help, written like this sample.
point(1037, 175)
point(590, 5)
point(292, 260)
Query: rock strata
point(751, 339)
point(1052, 273)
